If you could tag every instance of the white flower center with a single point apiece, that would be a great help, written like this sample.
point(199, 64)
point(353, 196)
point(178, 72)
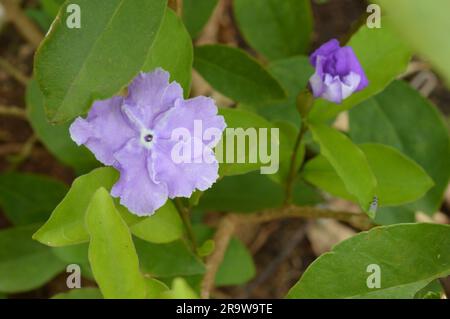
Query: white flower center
point(147, 138)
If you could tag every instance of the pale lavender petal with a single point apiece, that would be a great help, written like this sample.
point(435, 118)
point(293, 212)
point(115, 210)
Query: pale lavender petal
point(105, 130)
point(346, 62)
point(350, 84)
point(333, 91)
point(316, 81)
point(136, 189)
point(188, 113)
point(151, 94)
point(184, 178)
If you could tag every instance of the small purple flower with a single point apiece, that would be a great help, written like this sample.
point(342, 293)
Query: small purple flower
point(338, 72)
point(134, 135)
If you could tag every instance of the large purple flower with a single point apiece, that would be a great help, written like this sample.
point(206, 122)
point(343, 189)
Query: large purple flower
point(134, 134)
point(338, 72)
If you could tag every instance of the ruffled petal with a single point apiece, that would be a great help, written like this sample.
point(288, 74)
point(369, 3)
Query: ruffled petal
point(325, 50)
point(333, 90)
point(184, 170)
point(136, 189)
point(196, 115)
point(105, 130)
point(149, 95)
point(350, 84)
point(347, 62)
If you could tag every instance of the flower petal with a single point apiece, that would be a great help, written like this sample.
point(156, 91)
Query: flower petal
point(137, 191)
point(105, 130)
point(149, 95)
point(199, 112)
point(333, 90)
point(325, 50)
point(182, 178)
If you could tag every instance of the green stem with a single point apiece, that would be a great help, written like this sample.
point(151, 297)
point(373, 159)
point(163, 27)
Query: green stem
point(184, 214)
point(292, 171)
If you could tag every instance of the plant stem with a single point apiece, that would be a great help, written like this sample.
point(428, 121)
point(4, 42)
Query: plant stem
point(292, 171)
point(184, 214)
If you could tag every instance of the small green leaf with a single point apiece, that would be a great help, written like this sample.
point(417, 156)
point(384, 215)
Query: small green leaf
point(276, 29)
point(81, 293)
point(27, 198)
point(107, 52)
point(382, 55)
point(56, 138)
point(66, 225)
point(392, 170)
point(113, 259)
point(162, 227)
point(196, 14)
point(24, 263)
point(155, 288)
point(180, 290)
point(237, 75)
point(172, 51)
point(206, 248)
point(409, 257)
point(348, 161)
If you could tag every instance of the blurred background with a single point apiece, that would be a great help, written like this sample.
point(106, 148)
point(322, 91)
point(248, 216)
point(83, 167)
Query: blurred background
point(281, 249)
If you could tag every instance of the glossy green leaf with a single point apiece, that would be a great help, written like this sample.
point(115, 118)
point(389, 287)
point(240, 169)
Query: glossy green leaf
point(399, 179)
point(293, 74)
point(162, 227)
point(24, 263)
point(348, 161)
point(252, 192)
point(383, 57)
point(409, 257)
point(113, 259)
point(424, 25)
point(172, 51)
point(66, 225)
point(168, 260)
point(56, 138)
point(196, 14)
point(234, 73)
point(108, 51)
point(276, 29)
point(81, 293)
point(402, 118)
point(27, 198)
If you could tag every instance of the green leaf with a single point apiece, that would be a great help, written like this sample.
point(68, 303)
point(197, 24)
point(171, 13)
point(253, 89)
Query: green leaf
point(433, 290)
point(348, 161)
point(75, 254)
point(424, 25)
point(27, 198)
point(167, 260)
point(162, 227)
point(252, 192)
point(409, 256)
point(246, 159)
point(155, 288)
point(113, 259)
point(383, 57)
point(66, 225)
point(180, 290)
point(56, 138)
point(402, 118)
point(172, 51)
point(399, 179)
point(107, 52)
point(196, 14)
point(24, 263)
point(81, 293)
point(234, 73)
point(293, 74)
point(236, 256)
point(51, 7)
point(276, 29)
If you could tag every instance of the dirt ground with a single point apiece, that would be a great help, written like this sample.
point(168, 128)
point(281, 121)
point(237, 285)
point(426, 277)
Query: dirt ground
point(282, 250)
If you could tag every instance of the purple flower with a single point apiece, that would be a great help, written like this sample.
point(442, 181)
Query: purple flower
point(134, 134)
point(338, 72)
